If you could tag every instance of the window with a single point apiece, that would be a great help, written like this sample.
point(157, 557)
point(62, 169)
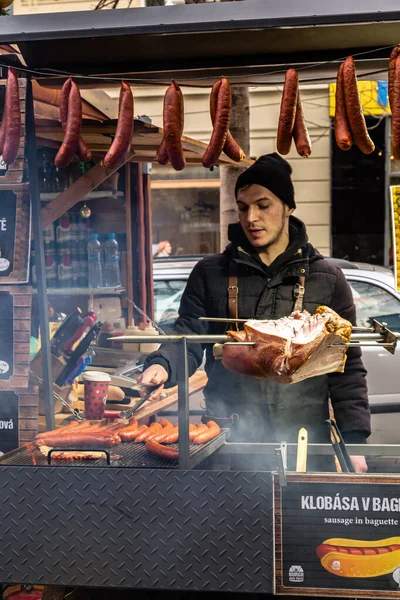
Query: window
point(167, 298)
point(373, 302)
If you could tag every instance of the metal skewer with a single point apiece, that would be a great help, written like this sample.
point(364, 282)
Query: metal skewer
point(229, 320)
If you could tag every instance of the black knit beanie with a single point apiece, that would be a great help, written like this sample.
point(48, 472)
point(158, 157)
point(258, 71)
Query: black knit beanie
point(272, 172)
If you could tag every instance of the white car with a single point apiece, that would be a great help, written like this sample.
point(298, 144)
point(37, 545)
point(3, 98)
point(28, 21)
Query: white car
point(375, 297)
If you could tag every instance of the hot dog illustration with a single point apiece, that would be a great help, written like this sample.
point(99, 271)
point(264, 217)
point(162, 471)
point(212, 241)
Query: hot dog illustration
point(359, 558)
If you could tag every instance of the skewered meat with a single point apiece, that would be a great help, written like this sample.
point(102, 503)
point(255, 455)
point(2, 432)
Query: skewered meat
point(290, 349)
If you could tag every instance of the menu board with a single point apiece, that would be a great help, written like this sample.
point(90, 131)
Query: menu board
point(8, 421)
point(6, 335)
point(338, 535)
point(395, 212)
point(8, 215)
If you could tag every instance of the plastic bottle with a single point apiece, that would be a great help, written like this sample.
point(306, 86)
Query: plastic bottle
point(132, 329)
point(111, 269)
point(95, 271)
point(148, 329)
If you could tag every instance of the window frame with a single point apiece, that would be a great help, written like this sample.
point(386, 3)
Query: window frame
point(371, 281)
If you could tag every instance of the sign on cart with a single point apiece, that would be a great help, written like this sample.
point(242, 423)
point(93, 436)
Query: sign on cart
point(338, 535)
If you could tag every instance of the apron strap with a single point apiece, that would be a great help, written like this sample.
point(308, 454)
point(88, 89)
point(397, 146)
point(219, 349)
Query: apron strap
point(233, 293)
point(298, 293)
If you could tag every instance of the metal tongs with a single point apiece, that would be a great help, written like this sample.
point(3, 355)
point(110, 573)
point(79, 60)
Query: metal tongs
point(143, 388)
point(339, 447)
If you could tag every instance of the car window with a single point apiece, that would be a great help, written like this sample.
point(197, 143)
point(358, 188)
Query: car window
point(167, 297)
point(373, 302)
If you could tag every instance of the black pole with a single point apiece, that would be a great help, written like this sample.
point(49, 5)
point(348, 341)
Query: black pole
point(47, 386)
point(183, 405)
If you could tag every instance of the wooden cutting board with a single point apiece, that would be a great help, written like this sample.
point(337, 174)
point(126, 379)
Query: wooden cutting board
point(196, 383)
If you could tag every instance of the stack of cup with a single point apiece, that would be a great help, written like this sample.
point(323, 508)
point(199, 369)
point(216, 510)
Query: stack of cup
point(95, 388)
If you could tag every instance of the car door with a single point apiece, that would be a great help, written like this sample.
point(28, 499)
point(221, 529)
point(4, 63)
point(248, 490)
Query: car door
point(374, 300)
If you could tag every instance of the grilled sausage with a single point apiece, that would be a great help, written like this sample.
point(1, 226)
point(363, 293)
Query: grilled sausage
point(354, 109)
point(343, 135)
point(72, 130)
point(392, 66)
point(162, 153)
point(173, 123)
point(123, 134)
point(83, 153)
point(13, 119)
point(159, 436)
point(173, 436)
point(300, 132)
point(162, 451)
point(287, 113)
point(151, 429)
point(165, 423)
point(220, 125)
point(65, 430)
point(396, 111)
point(132, 434)
point(231, 148)
point(132, 427)
point(82, 441)
point(170, 438)
point(213, 430)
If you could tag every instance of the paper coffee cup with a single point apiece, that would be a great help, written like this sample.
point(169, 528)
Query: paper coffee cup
point(95, 391)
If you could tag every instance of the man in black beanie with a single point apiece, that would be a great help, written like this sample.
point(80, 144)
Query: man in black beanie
point(268, 270)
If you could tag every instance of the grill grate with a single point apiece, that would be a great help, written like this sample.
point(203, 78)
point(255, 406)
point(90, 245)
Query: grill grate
point(122, 455)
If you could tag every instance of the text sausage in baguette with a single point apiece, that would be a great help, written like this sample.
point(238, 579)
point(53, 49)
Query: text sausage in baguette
point(287, 113)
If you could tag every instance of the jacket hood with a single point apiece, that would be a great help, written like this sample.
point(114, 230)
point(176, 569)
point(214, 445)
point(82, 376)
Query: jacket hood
point(298, 240)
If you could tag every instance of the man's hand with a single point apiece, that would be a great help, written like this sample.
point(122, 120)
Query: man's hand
point(156, 375)
point(359, 463)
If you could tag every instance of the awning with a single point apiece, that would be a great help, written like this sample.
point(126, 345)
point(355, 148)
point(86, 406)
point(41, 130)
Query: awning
point(197, 43)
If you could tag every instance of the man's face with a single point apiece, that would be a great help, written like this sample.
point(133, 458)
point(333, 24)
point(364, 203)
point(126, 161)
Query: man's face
point(263, 217)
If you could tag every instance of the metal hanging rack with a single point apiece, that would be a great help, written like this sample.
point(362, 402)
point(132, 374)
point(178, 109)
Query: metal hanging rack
point(377, 334)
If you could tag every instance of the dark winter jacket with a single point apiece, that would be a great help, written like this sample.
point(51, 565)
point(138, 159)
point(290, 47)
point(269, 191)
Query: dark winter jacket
point(270, 411)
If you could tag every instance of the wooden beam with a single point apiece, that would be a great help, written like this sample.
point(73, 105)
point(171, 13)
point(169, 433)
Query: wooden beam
point(173, 184)
point(78, 190)
point(129, 245)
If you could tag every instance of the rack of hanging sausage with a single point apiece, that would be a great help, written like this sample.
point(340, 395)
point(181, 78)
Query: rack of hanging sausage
point(349, 121)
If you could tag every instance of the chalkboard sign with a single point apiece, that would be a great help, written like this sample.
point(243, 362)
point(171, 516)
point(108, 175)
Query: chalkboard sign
point(6, 336)
point(338, 535)
point(15, 326)
point(14, 234)
point(8, 218)
point(9, 428)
